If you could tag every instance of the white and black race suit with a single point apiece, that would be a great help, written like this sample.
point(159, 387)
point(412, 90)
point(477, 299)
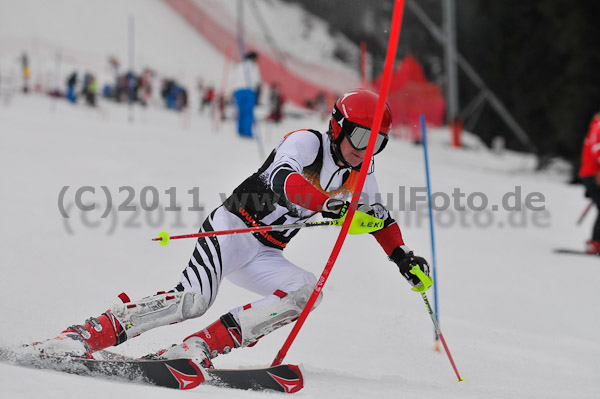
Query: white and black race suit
point(255, 261)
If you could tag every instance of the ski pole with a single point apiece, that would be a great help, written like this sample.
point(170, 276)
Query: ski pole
point(164, 238)
point(362, 223)
point(585, 212)
point(436, 325)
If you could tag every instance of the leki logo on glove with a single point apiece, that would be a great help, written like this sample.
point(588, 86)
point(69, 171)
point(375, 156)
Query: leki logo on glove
point(372, 224)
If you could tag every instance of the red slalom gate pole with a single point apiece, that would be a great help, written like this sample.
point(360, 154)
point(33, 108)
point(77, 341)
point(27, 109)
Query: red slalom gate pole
point(383, 92)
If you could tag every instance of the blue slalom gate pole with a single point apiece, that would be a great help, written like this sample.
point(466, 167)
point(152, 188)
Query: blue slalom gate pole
point(431, 231)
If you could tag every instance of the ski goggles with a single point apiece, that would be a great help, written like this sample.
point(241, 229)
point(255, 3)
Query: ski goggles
point(358, 135)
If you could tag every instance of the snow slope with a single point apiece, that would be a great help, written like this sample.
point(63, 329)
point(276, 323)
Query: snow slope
point(520, 321)
point(292, 36)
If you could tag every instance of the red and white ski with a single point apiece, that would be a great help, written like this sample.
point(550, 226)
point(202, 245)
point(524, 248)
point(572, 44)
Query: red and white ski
point(174, 373)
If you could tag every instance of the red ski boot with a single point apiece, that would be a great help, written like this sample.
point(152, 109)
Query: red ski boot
point(126, 320)
point(219, 338)
point(82, 340)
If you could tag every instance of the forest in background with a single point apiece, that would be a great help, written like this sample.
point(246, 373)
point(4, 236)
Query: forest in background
point(540, 58)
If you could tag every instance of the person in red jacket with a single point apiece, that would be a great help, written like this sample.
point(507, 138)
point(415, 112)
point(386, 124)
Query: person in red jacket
point(589, 173)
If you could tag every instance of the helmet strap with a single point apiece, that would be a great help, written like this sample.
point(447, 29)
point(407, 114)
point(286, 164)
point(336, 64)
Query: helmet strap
point(338, 157)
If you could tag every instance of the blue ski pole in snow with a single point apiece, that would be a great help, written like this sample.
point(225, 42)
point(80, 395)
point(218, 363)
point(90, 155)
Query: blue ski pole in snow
point(433, 260)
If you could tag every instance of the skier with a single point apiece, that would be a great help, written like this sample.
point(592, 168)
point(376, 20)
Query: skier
point(309, 172)
point(589, 173)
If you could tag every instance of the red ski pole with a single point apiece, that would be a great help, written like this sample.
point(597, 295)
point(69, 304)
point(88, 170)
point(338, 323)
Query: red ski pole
point(585, 212)
point(164, 238)
point(385, 84)
point(362, 223)
point(438, 330)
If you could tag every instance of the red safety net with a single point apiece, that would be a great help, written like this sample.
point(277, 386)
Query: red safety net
point(411, 95)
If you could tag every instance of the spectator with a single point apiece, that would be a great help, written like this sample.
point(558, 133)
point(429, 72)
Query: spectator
point(181, 98)
point(108, 91)
point(87, 77)
point(146, 86)
point(26, 72)
point(71, 83)
point(165, 90)
point(589, 173)
point(246, 89)
point(174, 95)
point(207, 98)
point(132, 84)
point(220, 103)
point(115, 64)
point(321, 104)
point(121, 89)
point(276, 101)
point(91, 90)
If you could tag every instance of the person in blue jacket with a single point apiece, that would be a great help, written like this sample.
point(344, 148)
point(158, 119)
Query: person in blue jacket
point(246, 88)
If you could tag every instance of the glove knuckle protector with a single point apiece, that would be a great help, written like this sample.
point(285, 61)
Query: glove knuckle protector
point(405, 262)
point(334, 208)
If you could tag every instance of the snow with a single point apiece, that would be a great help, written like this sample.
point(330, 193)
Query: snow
point(302, 39)
point(520, 321)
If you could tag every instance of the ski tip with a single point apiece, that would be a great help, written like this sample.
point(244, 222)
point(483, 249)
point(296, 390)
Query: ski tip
point(460, 379)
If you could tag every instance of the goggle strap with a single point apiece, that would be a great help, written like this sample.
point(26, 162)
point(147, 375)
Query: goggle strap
point(337, 114)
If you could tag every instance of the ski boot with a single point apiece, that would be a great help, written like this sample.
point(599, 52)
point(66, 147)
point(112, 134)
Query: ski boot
point(203, 346)
point(82, 340)
point(592, 247)
point(125, 320)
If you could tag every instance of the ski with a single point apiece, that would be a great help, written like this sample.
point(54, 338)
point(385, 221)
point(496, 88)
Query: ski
point(572, 252)
point(173, 373)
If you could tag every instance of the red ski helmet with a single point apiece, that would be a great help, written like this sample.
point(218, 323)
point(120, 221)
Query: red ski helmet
point(352, 117)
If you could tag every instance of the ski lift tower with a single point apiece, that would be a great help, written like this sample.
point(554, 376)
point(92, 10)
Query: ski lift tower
point(449, 16)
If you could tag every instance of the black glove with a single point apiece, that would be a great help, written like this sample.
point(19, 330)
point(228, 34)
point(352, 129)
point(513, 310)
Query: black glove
point(334, 208)
point(406, 261)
